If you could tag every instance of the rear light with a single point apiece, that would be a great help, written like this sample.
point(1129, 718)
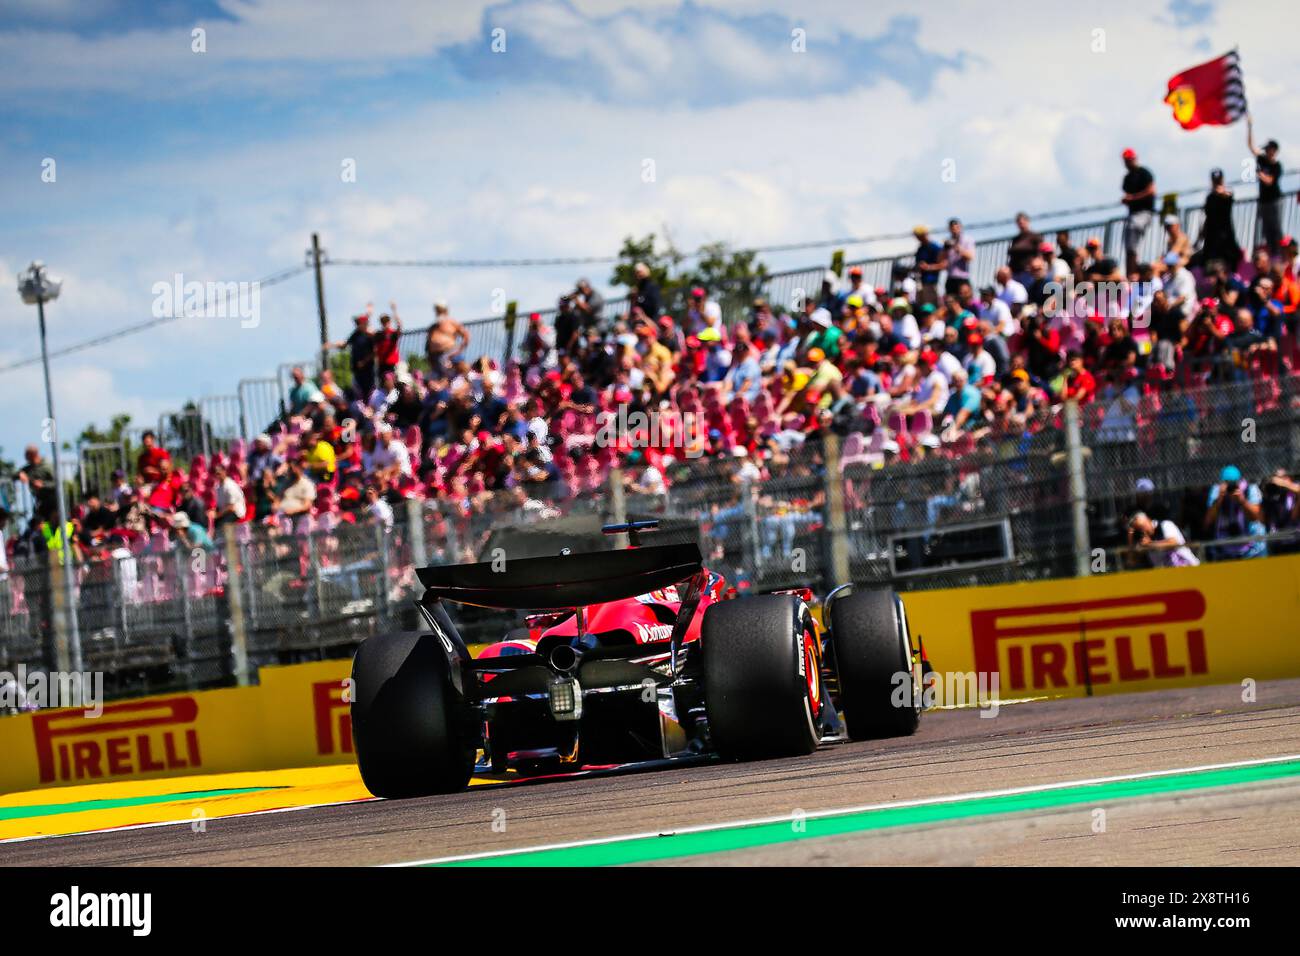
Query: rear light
point(565, 699)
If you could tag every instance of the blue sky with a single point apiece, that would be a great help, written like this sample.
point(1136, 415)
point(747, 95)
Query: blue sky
point(218, 165)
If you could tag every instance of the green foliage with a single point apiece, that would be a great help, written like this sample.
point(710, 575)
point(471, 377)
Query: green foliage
point(116, 431)
point(732, 276)
point(663, 263)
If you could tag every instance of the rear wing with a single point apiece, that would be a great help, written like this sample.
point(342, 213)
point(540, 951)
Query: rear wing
point(564, 581)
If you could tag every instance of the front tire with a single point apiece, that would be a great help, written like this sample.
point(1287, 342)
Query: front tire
point(873, 658)
point(409, 726)
point(762, 677)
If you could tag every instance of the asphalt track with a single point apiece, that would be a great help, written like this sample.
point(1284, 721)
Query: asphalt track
point(1079, 781)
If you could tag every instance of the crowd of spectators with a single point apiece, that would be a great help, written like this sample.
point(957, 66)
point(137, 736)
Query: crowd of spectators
point(928, 366)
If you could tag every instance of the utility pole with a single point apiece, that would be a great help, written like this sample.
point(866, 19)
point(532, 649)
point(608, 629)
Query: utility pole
point(320, 301)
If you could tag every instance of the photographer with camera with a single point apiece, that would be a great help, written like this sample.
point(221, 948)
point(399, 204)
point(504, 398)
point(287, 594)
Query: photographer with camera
point(1235, 510)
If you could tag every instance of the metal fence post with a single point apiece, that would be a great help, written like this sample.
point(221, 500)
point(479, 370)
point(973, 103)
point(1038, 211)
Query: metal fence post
point(837, 526)
point(1078, 488)
point(182, 567)
point(59, 618)
point(415, 532)
point(617, 505)
point(381, 542)
point(234, 599)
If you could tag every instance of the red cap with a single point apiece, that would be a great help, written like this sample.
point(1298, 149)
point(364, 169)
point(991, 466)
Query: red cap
point(1129, 154)
point(1045, 247)
point(697, 293)
point(666, 321)
point(928, 357)
point(899, 349)
point(974, 339)
point(855, 271)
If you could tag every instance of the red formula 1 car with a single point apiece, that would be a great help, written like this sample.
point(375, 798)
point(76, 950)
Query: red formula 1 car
point(630, 655)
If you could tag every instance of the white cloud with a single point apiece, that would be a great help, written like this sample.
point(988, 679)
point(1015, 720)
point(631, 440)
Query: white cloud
point(1035, 121)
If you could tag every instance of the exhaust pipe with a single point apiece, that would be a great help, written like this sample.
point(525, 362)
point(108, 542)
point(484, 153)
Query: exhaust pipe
point(565, 658)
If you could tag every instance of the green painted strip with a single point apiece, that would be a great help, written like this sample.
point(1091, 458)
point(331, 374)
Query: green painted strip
point(646, 848)
point(54, 809)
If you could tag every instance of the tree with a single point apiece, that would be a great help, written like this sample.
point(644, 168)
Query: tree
point(662, 263)
point(117, 431)
point(732, 277)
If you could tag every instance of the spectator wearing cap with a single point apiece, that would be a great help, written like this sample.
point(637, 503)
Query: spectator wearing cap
point(191, 534)
point(859, 288)
point(1235, 510)
point(980, 365)
point(1177, 242)
point(1139, 195)
point(361, 354)
point(717, 359)
point(929, 257)
point(1217, 240)
point(823, 334)
point(1268, 169)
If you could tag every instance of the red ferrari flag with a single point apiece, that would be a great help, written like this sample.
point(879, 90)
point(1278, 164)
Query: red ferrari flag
point(1211, 94)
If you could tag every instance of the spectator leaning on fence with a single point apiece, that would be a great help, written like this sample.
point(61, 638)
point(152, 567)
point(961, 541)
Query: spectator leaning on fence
point(1161, 541)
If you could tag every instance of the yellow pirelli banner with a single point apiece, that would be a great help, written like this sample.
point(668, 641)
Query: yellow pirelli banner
point(1144, 630)
point(296, 717)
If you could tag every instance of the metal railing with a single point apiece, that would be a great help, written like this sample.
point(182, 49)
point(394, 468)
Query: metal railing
point(312, 587)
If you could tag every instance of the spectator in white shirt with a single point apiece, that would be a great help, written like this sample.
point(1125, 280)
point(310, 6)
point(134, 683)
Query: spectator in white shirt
point(1013, 293)
point(380, 511)
point(231, 506)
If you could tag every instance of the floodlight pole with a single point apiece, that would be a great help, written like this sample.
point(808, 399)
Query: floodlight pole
point(69, 591)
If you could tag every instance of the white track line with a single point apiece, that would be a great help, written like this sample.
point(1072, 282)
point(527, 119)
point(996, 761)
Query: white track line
point(761, 821)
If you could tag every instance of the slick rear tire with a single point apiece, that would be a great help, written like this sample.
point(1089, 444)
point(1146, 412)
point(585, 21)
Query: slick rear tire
point(872, 649)
point(758, 655)
point(409, 727)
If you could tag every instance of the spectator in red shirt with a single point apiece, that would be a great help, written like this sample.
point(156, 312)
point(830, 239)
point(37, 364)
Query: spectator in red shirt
point(387, 341)
point(149, 464)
